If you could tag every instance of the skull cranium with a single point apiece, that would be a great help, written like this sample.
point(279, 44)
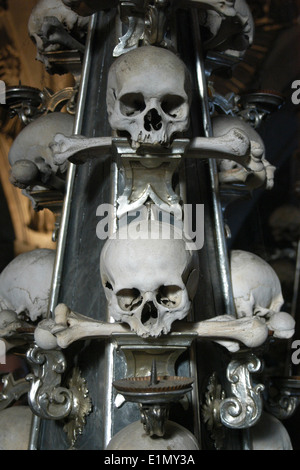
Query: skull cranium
point(30, 155)
point(262, 172)
point(148, 95)
point(53, 26)
point(257, 291)
point(149, 282)
point(25, 283)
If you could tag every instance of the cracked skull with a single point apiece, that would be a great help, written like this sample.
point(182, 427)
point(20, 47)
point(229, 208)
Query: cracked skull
point(148, 95)
point(149, 282)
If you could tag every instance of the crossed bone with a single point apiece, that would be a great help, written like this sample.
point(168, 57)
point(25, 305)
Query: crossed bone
point(68, 327)
point(234, 146)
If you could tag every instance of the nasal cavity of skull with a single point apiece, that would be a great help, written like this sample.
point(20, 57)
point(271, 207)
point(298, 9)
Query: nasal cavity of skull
point(169, 296)
point(129, 299)
point(149, 313)
point(152, 121)
point(132, 104)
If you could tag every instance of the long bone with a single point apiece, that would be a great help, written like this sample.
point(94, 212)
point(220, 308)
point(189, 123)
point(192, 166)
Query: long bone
point(68, 327)
point(234, 145)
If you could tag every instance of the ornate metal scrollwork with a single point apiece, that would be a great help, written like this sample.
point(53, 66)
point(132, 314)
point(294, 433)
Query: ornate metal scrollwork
point(244, 408)
point(240, 411)
point(283, 396)
point(31, 103)
point(253, 107)
point(49, 400)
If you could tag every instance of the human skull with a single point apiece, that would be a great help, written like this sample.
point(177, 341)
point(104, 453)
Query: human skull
point(257, 291)
point(233, 36)
point(148, 95)
point(53, 26)
point(30, 155)
point(149, 282)
point(232, 172)
point(25, 283)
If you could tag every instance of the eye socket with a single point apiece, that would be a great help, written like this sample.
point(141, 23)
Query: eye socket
point(169, 296)
point(132, 104)
point(172, 105)
point(129, 299)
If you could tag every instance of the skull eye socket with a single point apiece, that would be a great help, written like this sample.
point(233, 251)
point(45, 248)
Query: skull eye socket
point(169, 296)
point(129, 299)
point(172, 105)
point(132, 104)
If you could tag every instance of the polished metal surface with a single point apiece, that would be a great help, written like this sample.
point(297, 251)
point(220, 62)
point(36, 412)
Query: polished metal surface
point(61, 242)
point(222, 257)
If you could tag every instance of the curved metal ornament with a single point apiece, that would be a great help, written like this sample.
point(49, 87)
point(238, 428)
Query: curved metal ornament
point(46, 397)
point(244, 409)
point(283, 397)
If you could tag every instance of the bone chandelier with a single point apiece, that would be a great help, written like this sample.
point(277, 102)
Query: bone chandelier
point(155, 310)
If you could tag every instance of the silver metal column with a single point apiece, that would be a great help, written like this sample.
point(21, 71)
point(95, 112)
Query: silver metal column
point(222, 255)
point(61, 241)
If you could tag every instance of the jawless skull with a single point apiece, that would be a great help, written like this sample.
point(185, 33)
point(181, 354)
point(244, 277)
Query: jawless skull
point(148, 95)
point(149, 282)
point(25, 284)
point(53, 26)
point(262, 172)
point(30, 155)
point(257, 292)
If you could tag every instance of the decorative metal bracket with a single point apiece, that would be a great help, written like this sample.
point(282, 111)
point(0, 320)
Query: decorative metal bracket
point(253, 107)
point(31, 103)
point(244, 409)
point(283, 396)
point(240, 411)
point(147, 23)
point(49, 400)
point(149, 176)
